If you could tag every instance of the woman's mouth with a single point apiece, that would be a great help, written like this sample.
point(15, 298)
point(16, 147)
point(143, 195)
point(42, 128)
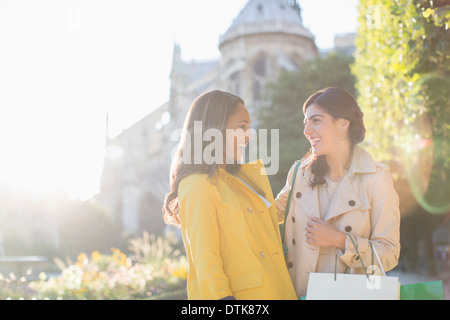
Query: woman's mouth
point(314, 141)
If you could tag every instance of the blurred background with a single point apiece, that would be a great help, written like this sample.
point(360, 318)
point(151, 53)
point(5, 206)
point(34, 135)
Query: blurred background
point(93, 92)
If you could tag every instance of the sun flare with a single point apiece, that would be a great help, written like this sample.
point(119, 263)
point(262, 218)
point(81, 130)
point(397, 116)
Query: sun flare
point(45, 160)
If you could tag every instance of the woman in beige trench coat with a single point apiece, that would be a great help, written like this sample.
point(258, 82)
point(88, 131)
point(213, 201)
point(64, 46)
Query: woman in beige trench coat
point(339, 192)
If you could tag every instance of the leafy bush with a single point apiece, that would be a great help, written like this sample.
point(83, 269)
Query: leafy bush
point(402, 66)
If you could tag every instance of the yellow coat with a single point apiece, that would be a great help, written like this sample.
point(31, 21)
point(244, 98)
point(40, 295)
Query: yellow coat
point(232, 239)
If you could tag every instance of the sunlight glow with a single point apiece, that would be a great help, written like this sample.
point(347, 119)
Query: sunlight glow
point(65, 64)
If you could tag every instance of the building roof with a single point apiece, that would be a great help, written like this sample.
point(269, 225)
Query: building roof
point(259, 16)
point(195, 70)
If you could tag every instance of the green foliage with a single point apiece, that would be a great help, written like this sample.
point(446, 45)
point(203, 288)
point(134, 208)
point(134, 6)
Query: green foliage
point(402, 66)
point(287, 96)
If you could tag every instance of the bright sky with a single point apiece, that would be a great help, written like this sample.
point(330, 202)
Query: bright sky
point(64, 64)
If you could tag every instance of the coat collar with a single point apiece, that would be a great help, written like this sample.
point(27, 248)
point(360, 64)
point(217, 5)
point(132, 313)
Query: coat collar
point(346, 198)
point(254, 173)
point(362, 162)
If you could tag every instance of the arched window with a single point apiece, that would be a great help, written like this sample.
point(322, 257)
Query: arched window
point(261, 71)
point(260, 66)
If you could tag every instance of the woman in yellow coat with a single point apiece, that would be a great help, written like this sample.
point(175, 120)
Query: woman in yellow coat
point(225, 209)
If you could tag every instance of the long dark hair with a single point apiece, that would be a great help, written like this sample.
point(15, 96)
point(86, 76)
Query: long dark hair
point(340, 104)
point(212, 109)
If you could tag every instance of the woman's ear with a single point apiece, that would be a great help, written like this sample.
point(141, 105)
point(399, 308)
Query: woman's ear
point(343, 124)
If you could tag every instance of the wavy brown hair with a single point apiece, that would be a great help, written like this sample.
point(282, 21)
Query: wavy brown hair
point(340, 104)
point(213, 109)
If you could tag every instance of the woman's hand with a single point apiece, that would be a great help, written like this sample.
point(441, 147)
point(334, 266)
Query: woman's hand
point(323, 234)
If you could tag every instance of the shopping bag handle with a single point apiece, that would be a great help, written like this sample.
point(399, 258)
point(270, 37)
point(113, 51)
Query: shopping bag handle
point(378, 258)
point(359, 256)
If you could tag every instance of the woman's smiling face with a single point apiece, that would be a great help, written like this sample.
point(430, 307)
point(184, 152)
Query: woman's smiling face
point(323, 132)
point(238, 126)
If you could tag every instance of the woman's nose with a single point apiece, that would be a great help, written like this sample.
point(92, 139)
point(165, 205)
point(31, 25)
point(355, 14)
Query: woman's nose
point(306, 130)
point(248, 136)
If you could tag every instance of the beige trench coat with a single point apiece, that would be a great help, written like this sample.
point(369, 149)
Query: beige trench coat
point(365, 205)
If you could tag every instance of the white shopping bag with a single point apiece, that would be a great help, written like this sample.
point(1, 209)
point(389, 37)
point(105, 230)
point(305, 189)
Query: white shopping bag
point(323, 286)
point(341, 286)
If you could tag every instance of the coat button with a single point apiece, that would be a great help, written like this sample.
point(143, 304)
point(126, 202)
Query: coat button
point(293, 242)
point(290, 265)
point(261, 254)
point(298, 195)
point(348, 229)
point(352, 203)
point(250, 210)
point(293, 219)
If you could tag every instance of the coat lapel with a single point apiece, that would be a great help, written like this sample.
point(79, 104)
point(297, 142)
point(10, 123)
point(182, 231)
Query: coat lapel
point(254, 174)
point(345, 199)
point(309, 201)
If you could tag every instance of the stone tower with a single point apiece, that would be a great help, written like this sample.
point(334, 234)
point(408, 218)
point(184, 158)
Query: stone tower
point(267, 37)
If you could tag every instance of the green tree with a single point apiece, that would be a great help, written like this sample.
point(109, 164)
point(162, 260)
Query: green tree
point(287, 95)
point(402, 65)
